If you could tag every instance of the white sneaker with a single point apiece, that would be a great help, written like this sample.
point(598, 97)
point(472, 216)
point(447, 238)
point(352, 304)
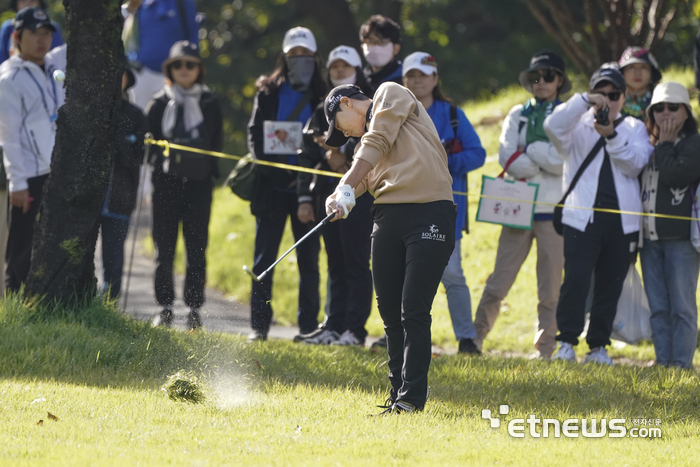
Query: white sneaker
point(565, 352)
point(598, 355)
point(325, 337)
point(348, 338)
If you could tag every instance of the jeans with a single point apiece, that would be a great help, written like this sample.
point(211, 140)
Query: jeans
point(114, 232)
point(458, 298)
point(670, 269)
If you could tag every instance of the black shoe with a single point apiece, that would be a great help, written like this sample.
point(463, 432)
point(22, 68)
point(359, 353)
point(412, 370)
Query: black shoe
point(380, 343)
point(469, 347)
point(164, 318)
point(256, 336)
point(399, 407)
point(194, 321)
point(301, 337)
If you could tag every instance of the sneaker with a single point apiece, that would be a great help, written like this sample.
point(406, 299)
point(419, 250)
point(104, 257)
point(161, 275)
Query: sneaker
point(565, 352)
point(348, 338)
point(257, 336)
point(400, 407)
point(325, 337)
point(194, 321)
point(468, 346)
point(598, 355)
point(302, 337)
point(164, 318)
point(380, 343)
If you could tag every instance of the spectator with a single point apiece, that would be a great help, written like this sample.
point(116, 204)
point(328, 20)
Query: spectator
point(403, 164)
point(289, 93)
point(526, 153)
point(28, 111)
point(151, 27)
point(641, 74)
point(464, 154)
point(381, 43)
point(670, 260)
point(8, 28)
point(597, 244)
point(347, 243)
point(123, 185)
point(187, 113)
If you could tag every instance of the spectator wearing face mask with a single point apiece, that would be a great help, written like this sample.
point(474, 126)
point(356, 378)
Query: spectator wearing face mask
point(289, 93)
point(381, 43)
point(347, 243)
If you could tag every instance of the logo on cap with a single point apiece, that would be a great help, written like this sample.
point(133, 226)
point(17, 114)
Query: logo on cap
point(40, 15)
point(429, 60)
point(298, 35)
point(333, 102)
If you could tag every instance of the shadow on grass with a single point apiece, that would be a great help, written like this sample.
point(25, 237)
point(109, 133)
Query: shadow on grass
point(93, 344)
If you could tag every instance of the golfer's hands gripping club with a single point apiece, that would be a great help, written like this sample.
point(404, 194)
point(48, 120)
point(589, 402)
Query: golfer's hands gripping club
point(341, 201)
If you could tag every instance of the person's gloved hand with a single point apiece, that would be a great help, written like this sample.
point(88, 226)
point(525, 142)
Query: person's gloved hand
point(342, 200)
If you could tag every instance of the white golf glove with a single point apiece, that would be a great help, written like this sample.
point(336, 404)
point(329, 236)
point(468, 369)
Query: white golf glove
point(344, 197)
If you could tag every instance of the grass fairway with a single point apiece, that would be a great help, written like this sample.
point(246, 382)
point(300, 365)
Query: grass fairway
point(278, 403)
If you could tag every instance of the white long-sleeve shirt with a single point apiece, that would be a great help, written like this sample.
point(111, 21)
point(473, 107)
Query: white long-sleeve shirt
point(570, 128)
point(29, 103)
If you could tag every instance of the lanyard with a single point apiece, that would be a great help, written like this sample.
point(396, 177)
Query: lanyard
point(52, 116)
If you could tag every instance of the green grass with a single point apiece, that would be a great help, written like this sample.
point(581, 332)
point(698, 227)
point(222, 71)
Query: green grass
point(279, 403)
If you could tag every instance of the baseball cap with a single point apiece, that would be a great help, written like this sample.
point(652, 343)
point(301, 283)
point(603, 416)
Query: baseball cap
point(180, 50)
point(299, 36)
point(546, 59)
point(335, 137)
point(32, 18)
point(420, 61)
point(610, 75)
point(639, 55)
point(346, 53)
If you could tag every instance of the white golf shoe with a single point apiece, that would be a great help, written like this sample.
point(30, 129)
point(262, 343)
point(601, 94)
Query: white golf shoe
point(348, 338)
point(598, 355)
point(325, 337)
point(565, 352)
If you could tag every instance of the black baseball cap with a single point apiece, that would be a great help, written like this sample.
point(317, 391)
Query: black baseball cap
point(335, 137)
point(546, 59)
point(611, 75)
point(32, 18)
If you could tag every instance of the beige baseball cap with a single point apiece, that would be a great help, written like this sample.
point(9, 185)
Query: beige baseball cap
point(671, 93)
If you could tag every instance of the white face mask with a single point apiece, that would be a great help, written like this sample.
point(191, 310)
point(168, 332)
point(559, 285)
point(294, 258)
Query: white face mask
point(378, 55)
point(349, 80)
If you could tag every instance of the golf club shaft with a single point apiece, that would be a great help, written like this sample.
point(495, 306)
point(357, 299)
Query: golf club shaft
point(318, 226)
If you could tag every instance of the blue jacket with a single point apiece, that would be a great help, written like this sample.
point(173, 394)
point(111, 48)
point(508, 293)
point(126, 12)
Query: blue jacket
point(472, 157)
point(160, 26)
point(8, 27)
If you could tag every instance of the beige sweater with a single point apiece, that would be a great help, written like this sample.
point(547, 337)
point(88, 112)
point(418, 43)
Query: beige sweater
point(409, 162)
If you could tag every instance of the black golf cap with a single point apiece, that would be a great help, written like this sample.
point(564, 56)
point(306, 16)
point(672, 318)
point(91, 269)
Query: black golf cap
point(610, 75)
point(32, 18)
point(335, 137)
point(542, 60)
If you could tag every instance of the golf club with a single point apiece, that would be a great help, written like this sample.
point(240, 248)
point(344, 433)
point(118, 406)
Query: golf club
point(264, 273)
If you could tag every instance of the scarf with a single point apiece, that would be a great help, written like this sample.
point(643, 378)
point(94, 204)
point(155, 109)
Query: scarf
point(536, 112)
point(637, 108)
point(189, 99)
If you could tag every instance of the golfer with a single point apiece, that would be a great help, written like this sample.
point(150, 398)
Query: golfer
point(402, 163)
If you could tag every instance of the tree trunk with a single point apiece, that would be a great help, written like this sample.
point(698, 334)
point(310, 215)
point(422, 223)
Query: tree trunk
point(66, 232)
point(336, 19)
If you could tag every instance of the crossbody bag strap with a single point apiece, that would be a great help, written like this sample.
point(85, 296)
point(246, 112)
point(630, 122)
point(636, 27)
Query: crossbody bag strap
point(454, 119)
point(305, 99)
point(587, 161)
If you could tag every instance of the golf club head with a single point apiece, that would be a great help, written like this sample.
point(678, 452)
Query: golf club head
point(251, 273)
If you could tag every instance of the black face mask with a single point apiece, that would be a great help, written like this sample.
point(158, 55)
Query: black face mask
point(300, 71)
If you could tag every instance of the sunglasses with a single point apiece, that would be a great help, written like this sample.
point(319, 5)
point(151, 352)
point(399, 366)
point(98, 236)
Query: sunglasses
point(190, 65)
point(548, 76)
point(613, 96)
point(664, 105)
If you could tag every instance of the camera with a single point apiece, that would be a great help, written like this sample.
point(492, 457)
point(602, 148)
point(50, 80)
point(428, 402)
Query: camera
point(601, 117)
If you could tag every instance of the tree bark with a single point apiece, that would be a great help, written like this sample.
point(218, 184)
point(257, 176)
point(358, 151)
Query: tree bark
point(62, 265)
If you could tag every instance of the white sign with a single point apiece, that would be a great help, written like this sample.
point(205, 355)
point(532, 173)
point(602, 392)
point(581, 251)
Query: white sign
point(507, 202)
point(282, 137)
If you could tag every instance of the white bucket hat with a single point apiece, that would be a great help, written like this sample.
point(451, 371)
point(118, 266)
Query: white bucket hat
point(345, 53)
point(299, 37)
point(671, 93)
point(420, 61)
